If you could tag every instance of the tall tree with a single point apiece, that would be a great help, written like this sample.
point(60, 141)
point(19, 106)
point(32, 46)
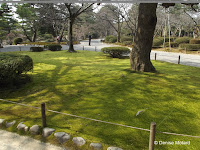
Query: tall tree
point(74, 11)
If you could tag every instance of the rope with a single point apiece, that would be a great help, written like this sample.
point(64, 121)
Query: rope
point(100, 120)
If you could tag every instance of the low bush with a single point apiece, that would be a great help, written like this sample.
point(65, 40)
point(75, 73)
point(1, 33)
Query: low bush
point(115, 52)
point(126, 43)
point(195, 41)
point(126, 38)
point(36, 49)
point(190, 46)
point(17, 41)
point(53, 47)
point(12, 66)
point(173, 44)
point(157, 43)
point(182, 40)
point(111, 39)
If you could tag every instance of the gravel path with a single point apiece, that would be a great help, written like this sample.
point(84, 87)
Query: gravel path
point(96, 45)
point(13, 141)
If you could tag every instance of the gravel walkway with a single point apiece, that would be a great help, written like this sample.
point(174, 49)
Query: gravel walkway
point(13, 141)
point(96, 45)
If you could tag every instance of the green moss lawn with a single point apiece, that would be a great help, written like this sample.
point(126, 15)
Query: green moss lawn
point(93, 85)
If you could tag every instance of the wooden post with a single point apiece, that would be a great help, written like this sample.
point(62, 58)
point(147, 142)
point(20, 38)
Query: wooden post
point(155, 56)
point(152, 135)
point(44, 124)
point(95, 48)
point(179, 58)
point(83, 47)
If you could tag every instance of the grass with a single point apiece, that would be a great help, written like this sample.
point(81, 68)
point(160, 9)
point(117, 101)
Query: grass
point(92, 85)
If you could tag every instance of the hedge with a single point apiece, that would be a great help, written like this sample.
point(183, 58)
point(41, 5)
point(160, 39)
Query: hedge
point(53, 47)
point(115, 52)
point(173, 44)
point(190, 46)
point(36, 49)
point(17, 41)
point(127, 43)
point(127, 38)
point(12, 66)
point(182, 40)
point(157, 43)
point(195, 41)
point(111, 39)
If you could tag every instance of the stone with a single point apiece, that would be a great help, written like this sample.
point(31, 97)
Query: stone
point(1, 121)
point(114, 148)
point(96, 146)
point(47, 131)
point(9, 124)
point(22, 126)
point(62, 137)
point(78, 141)
point(35, 129)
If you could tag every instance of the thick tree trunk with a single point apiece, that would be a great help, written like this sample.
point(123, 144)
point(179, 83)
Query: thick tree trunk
point(140, 54)
point(34, 35)
point(70, 35)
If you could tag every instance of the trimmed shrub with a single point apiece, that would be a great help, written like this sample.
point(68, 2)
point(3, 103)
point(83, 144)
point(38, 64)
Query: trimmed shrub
point(195, 41)
point(17, 41)
point(53, 47)
point(127, 43)
point(182, 40)
point(115, 52)
point(157, 43)
point(190, 47)
point(126, 38)
point(36, 49)
point(111, 39)
point(12, 66)
point(173, 44)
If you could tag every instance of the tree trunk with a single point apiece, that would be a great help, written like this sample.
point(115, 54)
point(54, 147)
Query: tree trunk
point(34, 35)
point(70, 35)
point(140, 54)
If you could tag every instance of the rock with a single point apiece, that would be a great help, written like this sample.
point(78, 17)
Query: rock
point(1, 121)
point(62, 137)
point(96, 146)
point(114, 148)
point(47, 131)
point(78, 141)
point(9, 124)
point(22, 126)
point(35, 129)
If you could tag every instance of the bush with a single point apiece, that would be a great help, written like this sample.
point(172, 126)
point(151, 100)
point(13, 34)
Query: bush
point(126, 38)
point(190, 46)
point(17, 41)
point(115, 52)
point(157, 42)
point(127, 43)
point(194, 41)
point(173, 44)
point(53, 47)
point(12, 66)
point(111, 39)
point(182, 40)
point(36, 49)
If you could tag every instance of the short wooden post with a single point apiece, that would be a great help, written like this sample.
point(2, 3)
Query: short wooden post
point(83, 47)
point(95, 48)
point(155, 56)
point(44, 124)
point(152, 135)
point(179, 59)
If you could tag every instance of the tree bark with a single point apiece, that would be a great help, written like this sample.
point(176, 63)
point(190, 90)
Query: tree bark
point(140, 54)
point(70, 35)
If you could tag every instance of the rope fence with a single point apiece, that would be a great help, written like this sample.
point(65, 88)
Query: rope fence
point(152, 129)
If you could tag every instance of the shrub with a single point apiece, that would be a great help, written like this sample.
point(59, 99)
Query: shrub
point(111, 39)
point(54, 47)
point(115, 52)
point(182, 40)
point(173, 44)
point(195, 41)
point(190, 46)
point(12, 66)
point(17, 41)
point(36, 49)
point(126, 38)
point(127, 43)
point(157, 43)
